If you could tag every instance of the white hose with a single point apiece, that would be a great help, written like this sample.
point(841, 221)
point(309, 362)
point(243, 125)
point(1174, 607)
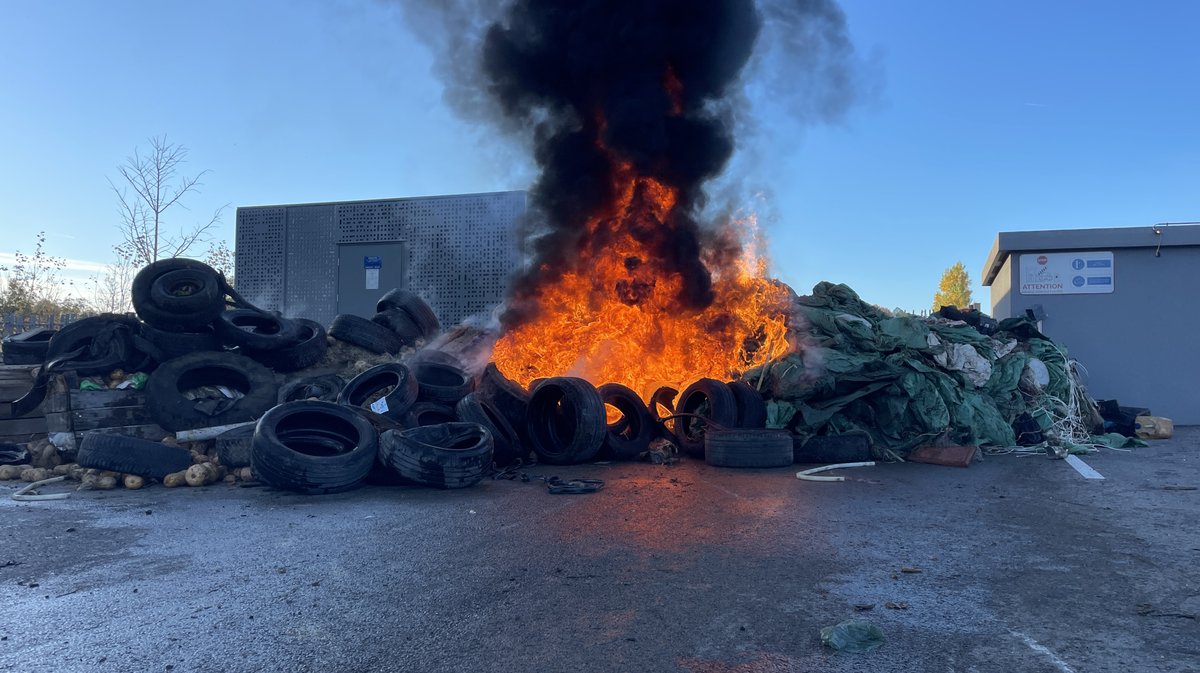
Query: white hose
point(809, 474)
point(21, 493)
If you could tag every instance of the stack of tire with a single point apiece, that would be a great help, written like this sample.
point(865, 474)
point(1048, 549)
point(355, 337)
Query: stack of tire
point(401, 319)
point(182, 307)
point(725, 424)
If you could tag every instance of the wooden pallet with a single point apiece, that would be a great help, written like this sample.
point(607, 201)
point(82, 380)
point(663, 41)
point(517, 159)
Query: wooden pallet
point(69, 409)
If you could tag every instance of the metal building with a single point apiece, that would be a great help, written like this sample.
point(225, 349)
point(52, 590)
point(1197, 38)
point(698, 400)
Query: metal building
point(317, 260)
point(1122, 301)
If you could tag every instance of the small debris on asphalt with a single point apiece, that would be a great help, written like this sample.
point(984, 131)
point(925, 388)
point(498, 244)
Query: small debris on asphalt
point(895, 606)
point(863, 607)
point(910, 570)
point(71, 530)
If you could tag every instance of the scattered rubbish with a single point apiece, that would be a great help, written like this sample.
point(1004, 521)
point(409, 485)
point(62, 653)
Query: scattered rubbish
point(911, 570)
point(895, 606)
point(810, 474)
point(573, 486)
point(1153, 427)
point(852, 635)
point(1178, 487)
point(863, 607)
point(950, 456)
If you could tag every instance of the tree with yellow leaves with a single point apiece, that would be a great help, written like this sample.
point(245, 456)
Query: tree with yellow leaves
point(955, 288)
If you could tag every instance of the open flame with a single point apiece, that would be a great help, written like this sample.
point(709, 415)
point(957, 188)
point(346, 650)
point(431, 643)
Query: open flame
point(615, 316)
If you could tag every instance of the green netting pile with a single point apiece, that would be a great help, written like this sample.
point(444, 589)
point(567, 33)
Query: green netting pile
point(909, 380)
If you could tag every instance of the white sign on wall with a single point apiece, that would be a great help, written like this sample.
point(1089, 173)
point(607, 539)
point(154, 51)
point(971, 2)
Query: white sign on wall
point(1067, 273)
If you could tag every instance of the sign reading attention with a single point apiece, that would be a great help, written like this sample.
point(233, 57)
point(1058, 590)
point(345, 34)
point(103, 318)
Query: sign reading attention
point(1067, 273)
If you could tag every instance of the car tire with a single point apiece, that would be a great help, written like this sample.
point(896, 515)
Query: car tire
point(748, 447)
point(166, 387)
point(311, 346)
point(400, 323)
point(364, 334)
point(630, 436)
point(416, 308)
point(506, 444)
point(449, 455)
point(313, 448)
point(721, 411)
point(175, 344)
point(392, 375)
point(256, 330)
point(324, 388)
point(27, 348)
point(441, 383)
point(566, 421)
point(187, 314)
point(130, 455)
point(751, 409)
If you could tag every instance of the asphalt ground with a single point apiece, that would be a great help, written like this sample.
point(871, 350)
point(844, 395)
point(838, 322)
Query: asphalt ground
point(1022, 565)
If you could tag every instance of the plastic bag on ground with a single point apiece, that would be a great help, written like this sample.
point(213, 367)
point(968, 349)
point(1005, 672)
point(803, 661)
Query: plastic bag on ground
point(852, 635)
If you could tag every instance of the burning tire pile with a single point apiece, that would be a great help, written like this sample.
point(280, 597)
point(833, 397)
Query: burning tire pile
point(248, 395)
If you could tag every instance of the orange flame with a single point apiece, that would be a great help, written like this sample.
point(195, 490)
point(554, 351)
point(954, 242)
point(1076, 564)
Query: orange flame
point(615, 317)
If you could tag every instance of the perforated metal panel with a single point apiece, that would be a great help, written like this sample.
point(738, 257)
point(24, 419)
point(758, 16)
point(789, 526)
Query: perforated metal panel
point(461, 250)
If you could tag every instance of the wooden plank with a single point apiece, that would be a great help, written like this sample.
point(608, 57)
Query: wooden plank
point(10, 373)
point(151, 432)
point(23, 426)
point(114, 417)
point(104, 399)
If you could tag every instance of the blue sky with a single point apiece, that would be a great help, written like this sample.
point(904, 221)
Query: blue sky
point(985, 117)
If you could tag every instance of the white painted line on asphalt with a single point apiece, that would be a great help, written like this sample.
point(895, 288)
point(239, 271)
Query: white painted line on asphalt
point(1083, 468)
point(1042, 649)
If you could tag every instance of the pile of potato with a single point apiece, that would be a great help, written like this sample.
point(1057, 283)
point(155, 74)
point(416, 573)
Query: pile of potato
point(45, 462)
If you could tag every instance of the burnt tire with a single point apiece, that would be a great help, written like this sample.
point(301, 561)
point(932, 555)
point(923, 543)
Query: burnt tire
point(190, 312)
point(423, 414)
point(505, 441)
point(111, 341)
point(751, 409)
point(433, 355)
point(566, 421)
point(170, 409)
point(313, 448)
point(234, 446)
point(509, 398)
point(449, 455)
point(324, 388)
point(130, 455)
point(364, 334)
point(175, 344)
point(27, 348)
point(748, 447)
point(631, 435)
point(441, 383)
point(256, 330)
point(311, 346)
point(710, 399)
point(400, 323)
point(392, 375)
point(416, 308)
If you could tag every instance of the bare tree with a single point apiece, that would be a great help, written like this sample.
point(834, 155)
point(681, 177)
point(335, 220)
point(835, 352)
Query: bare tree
point(33, 284)
point(151, 184)
point(110, 291)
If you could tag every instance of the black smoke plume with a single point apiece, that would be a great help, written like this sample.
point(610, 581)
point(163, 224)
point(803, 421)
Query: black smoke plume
point(598, 83)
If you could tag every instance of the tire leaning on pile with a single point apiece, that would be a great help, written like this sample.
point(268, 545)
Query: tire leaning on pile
point(310, 347)
point(506, 444)
point(393, 375)
point(130, 455)
point(566, 422)
point(714, 402)
point(364, 334)
point(447, 455)
point(631, 435)
point(167, 384)
point(416, 308)
point(313, 448)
